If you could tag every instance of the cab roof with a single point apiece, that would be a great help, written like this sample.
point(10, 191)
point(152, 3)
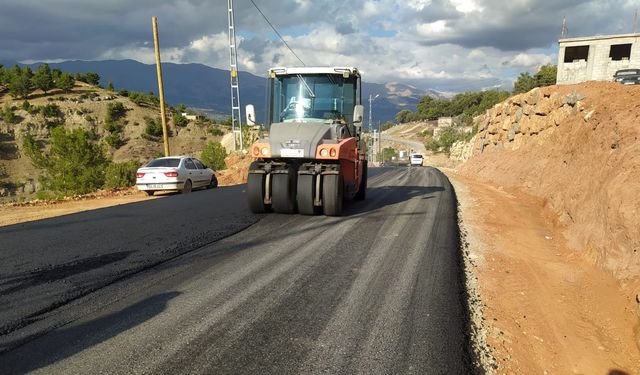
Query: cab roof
point(314, 70)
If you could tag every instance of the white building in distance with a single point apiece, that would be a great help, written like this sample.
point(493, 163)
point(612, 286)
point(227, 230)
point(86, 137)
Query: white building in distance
point(596, 58)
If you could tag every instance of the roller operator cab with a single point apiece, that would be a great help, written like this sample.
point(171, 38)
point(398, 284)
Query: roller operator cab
point(314, 156)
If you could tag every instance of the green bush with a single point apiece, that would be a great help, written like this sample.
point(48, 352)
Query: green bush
point(153, 127)
point(447, 138)
point(119, 175)
point(72, 165)
point(51, 110)
point(213, 155)
point(116, 111)
point(115, 140)
point(9, 116)
point(216, 132)
point(179, 120)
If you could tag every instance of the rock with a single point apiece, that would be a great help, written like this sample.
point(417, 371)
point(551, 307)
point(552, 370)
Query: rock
point(589, 115)
point(533, 96)
point(516, 128)
point(511, 135)
point(518, 114)
point(573, 98)
point(506, 124)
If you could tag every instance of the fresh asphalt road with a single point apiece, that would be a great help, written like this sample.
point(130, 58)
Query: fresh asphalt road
point(377, 291)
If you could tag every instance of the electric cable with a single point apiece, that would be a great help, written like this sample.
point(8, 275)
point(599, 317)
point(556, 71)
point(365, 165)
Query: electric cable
point(277, 33)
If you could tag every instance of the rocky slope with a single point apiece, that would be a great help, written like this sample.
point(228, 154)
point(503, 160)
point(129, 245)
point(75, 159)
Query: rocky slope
point(575, 146)
point(84, 107)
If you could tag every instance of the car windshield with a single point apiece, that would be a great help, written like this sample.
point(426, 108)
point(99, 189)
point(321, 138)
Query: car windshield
point(313, 98)
point(171, 163)
point(417, 156)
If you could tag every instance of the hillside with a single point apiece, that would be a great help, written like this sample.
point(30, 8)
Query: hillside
point(200, 86)
point(549, 199)
point(84, 107)
point(577, 147)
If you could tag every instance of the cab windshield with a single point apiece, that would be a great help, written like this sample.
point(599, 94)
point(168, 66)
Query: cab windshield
point(324, 98)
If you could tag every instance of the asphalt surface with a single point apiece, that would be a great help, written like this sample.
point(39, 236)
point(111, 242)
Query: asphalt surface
point(377, 291)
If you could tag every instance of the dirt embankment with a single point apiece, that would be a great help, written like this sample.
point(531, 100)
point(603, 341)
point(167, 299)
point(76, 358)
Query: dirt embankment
point(577, 148)
point(552, 192)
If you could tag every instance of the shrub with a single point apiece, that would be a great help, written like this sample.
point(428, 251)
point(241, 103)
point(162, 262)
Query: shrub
point(213, 155)
point(119, 175)
point(116, 110)
point(216, 132)
point(51, 110)
point(72, 165)
point(8, 116)
point(447, 138)
point(179, 120)
point(153, 127)
point(115, 140)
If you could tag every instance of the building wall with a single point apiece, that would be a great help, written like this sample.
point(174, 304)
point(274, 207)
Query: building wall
point(599, 66)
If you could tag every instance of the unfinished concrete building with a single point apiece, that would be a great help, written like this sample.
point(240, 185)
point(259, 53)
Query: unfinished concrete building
point(597, 58)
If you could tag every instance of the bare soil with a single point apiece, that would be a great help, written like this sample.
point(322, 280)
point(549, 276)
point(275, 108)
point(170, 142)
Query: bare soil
point(546, 308)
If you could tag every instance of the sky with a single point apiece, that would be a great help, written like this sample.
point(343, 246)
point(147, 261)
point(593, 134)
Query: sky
point(446, 45)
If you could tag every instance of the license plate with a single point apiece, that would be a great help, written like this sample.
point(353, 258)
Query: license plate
point(155, 186)
point(292, 152)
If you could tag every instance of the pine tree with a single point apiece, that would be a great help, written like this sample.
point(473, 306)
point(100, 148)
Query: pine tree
point(43, 79)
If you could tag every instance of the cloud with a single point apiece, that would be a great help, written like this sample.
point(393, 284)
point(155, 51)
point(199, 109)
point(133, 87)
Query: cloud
point(451, 45)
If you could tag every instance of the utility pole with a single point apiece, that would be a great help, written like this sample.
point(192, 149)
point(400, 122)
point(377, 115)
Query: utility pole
point(371, 99)
point(165, 136)
point(236, 115)
point(635, 22)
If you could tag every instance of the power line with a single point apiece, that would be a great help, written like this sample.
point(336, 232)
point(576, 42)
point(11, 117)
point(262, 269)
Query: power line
point(277, 33)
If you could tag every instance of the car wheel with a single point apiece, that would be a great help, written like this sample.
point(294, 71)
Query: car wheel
point(213, 183)
point(187, 187)
point(149, 192)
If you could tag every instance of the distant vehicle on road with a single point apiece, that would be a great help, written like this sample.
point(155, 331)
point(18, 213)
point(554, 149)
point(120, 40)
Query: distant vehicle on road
point(627, 76)
point(416, 160)
point(175, 173)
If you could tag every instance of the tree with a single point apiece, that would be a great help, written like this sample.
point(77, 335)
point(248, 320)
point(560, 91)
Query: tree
point(179, 120)
point(110, 86)
point(181, 108)
point(213, 155)
point(73, 164)
point(524, 83)
point(404, 116)
point(43, 79)
point(91, 78)
point(547, 75)
point(65, 82)
point(20, 82)
point(387, 125)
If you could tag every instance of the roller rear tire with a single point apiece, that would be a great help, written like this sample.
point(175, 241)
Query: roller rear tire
point(305, 196)
point(362, 190)
point(283, 198)
point(256, 190)
point(332, 194)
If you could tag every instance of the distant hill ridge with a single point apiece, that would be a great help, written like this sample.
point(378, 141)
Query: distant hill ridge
point(207, 88)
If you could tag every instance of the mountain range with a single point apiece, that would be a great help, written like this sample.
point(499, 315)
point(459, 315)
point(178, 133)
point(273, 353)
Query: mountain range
point(208, 89)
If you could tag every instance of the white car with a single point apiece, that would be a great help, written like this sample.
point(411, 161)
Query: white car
point(416, 159)
point(178, 173)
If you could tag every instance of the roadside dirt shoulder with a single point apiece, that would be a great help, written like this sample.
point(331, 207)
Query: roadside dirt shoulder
point(546, 309)
point(16, 213)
